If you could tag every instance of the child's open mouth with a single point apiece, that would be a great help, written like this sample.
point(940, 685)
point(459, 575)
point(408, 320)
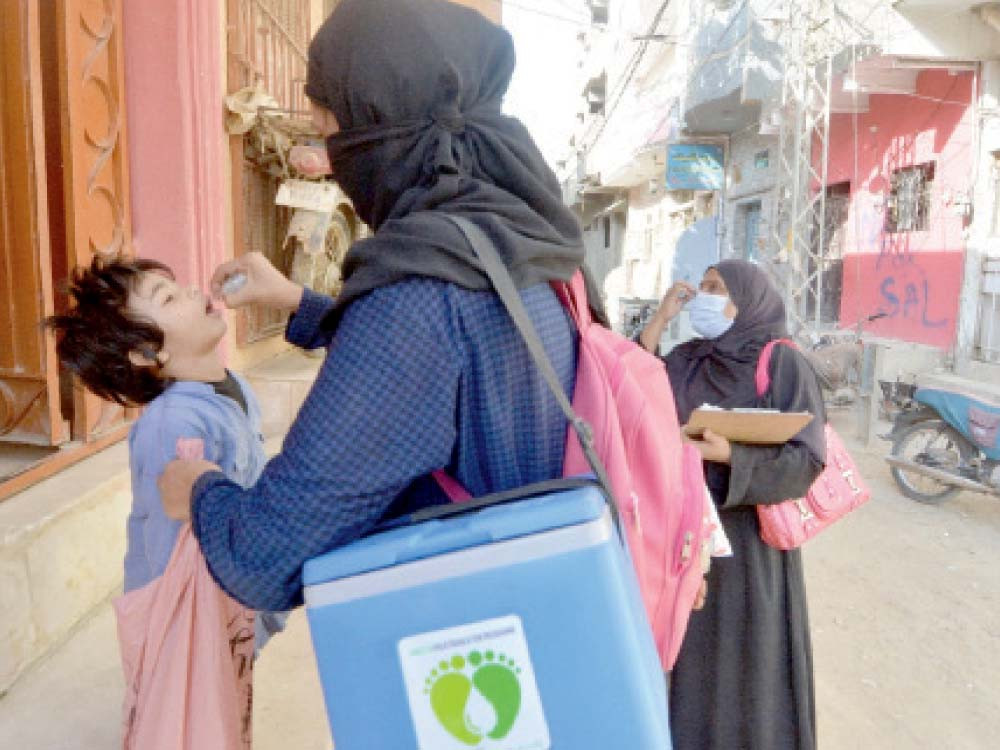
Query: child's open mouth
point(210, 308)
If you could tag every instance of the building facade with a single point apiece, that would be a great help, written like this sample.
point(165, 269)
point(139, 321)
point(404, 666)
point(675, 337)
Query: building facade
point(860, 162)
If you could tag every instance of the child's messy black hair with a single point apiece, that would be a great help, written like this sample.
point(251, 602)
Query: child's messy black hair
point(96, 336)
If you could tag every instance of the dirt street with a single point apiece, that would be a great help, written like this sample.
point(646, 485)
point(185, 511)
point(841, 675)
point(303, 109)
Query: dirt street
point(905, 608)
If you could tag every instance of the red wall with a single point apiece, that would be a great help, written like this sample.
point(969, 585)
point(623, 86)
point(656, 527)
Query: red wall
point(914, 277)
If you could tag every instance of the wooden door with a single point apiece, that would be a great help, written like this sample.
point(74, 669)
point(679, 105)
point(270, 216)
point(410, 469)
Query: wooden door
point(91, 141)
point(29, 379)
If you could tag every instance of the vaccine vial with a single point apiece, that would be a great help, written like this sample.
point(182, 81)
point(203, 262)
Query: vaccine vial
point(234, 283)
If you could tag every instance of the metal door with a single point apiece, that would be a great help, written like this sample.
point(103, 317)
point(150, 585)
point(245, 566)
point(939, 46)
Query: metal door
point(826, 263)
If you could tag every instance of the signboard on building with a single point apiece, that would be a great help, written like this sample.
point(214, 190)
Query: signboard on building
point(695, 166)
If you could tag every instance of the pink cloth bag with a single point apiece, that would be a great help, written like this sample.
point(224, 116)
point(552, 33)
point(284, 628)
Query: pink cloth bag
point(187, 651)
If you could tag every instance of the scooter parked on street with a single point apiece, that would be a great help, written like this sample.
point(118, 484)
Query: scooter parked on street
point(321, 223)
point(943, 442)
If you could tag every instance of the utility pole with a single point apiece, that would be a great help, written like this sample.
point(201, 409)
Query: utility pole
point(815, 32)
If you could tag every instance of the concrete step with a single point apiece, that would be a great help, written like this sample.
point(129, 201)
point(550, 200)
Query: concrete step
point(72, 700)
point(62, 543)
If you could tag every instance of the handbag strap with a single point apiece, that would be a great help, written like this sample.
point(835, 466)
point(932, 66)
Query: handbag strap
point(455, 491)
point(494, 268)
point(763, 377)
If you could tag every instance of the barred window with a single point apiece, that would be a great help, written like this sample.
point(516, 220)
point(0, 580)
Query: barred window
point(909, 205)
point(598, 11)
point(595, 92)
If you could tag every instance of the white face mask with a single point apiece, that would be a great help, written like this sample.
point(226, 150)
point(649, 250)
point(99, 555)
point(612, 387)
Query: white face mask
point(708, 317)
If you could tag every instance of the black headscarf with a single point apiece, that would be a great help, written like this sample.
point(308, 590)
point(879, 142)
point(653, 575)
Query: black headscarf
point(417, 87)
point(721, 371)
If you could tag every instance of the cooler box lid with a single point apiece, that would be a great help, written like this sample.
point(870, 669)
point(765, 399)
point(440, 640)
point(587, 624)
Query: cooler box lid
point(435, 537)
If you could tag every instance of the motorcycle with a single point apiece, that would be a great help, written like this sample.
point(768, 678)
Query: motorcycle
point(322, 224)
point(943, 442)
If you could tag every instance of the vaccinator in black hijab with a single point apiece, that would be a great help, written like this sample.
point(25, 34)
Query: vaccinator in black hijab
point(721, 371)
point(417, 87)
point(744, 676)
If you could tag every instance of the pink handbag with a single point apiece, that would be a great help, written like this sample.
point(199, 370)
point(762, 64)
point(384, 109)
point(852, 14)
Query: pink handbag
point(834, 494)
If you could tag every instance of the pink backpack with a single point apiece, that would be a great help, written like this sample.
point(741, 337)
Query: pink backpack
point(623, 428)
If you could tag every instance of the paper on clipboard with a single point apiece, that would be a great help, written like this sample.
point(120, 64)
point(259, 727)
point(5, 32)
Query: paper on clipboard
point(760, 426)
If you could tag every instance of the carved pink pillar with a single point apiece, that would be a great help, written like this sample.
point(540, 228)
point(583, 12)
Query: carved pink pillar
point(177, 145)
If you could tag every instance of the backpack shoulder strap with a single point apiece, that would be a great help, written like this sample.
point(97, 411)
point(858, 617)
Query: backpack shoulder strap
point(763, 377)
point(503, 284)
point(573, 295)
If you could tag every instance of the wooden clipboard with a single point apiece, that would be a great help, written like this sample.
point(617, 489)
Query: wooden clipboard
point(760, 426)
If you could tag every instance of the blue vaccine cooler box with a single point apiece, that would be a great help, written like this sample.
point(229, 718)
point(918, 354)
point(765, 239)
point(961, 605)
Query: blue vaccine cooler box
point(512, 627)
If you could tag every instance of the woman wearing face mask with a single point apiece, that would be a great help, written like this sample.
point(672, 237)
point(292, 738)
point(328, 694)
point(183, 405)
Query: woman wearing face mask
point(744, 675)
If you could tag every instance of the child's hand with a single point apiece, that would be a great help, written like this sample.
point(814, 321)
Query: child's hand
point(265, 284)
point(175, 485)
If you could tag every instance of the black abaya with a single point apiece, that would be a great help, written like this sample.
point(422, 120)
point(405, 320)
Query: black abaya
point(743, 680)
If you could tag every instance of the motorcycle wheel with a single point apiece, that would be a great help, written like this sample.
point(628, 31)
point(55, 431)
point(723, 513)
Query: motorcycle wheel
point(932, 443)
point(321, 272)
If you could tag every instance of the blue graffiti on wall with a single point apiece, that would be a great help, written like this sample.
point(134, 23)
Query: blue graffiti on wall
point(915, 300)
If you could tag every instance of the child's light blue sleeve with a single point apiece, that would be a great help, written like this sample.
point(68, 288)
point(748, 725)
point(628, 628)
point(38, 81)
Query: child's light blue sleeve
point(151, 534)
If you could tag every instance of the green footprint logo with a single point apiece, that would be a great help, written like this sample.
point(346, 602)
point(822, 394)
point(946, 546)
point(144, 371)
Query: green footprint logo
point(495, 678)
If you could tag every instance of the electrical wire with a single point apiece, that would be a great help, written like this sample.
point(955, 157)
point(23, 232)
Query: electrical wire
point(631, 68)
point(580, 23)
point(577, 22)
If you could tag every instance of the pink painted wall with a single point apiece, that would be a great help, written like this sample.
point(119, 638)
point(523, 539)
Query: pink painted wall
point(915, 277)
point(173, 83)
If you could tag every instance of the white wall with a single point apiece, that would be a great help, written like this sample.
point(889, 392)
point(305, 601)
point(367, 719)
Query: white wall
point(984, 239)
point(748, 183)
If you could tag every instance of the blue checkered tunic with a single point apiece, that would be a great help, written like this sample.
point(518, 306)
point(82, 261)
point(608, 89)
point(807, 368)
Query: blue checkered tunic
point(420, 375)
